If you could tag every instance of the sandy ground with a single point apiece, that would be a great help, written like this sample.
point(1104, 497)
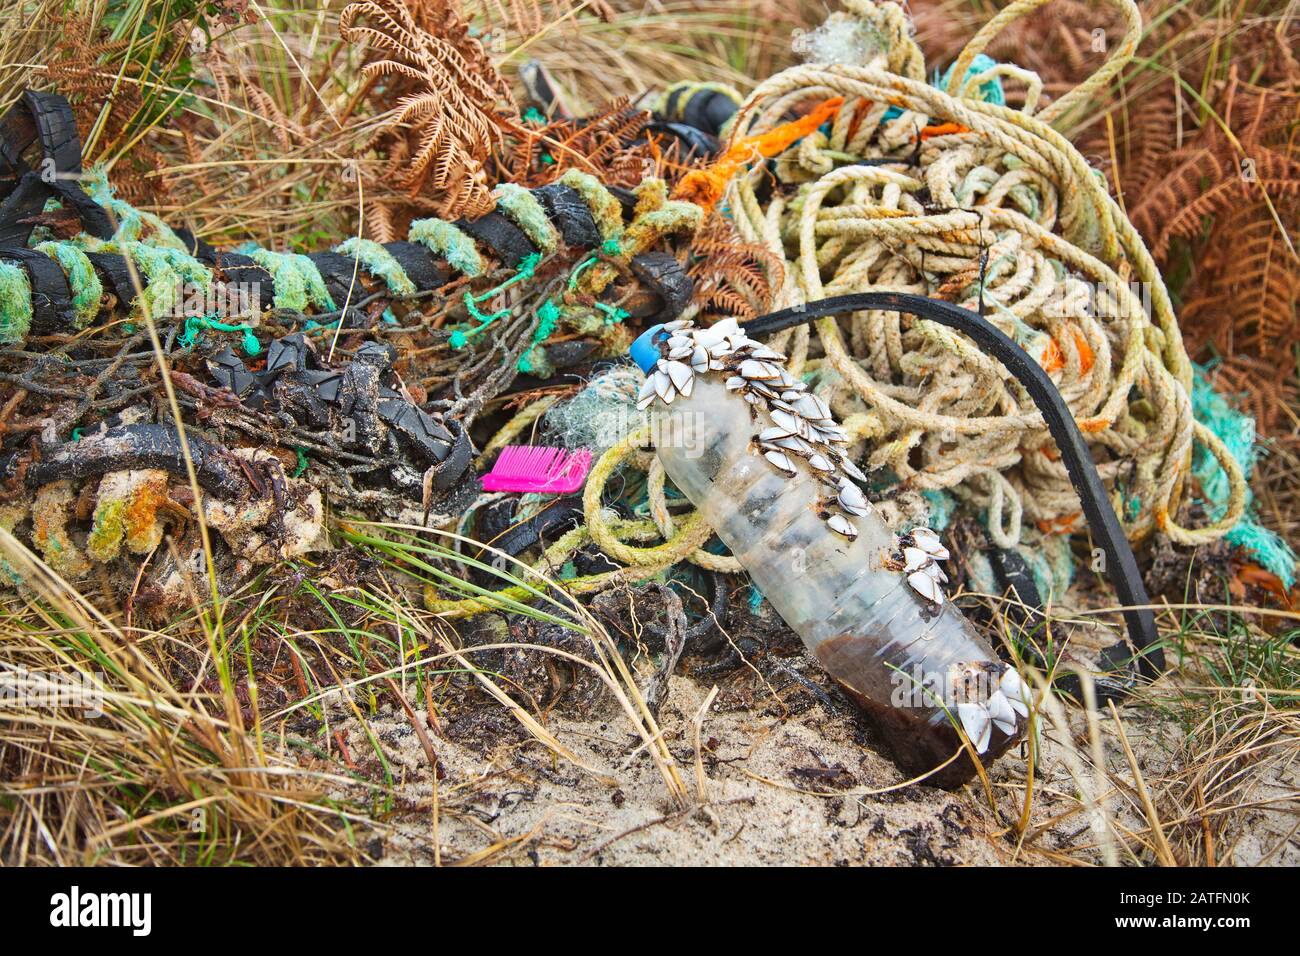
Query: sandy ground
point(797, 789)
point(786, 771)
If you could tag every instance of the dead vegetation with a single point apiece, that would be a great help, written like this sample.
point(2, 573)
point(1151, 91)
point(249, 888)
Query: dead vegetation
point(321, 714)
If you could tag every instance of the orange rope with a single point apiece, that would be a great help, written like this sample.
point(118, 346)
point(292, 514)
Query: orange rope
point(943, 129)
point(705, 187)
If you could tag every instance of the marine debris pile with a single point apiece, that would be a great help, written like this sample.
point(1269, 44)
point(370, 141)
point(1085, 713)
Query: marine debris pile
point(163, 399)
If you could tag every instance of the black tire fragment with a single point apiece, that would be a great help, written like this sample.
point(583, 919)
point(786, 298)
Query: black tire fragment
point(142, 446)
point(51, 298)
point(506, 240)
point(419, 265)
point(116, 276)
point(565, 207)
point(664, 275)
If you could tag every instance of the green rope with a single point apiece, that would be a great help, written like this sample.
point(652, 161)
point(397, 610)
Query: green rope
point(302, 463)
point(527, 269)
point(131, 222)
point(613, 314)
point(378, 261)
point(548, 318)
point(579, 269)
point(15, 303)
point(450, 242)
point(83, 282)
point(195, 324)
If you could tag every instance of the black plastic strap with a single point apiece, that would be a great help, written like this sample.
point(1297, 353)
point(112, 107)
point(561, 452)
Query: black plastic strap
point(1122, 566)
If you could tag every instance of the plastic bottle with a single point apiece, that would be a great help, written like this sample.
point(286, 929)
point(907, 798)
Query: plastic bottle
point(866, 603)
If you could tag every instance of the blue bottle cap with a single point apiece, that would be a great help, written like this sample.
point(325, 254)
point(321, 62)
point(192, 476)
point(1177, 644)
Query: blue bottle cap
point(644, 351)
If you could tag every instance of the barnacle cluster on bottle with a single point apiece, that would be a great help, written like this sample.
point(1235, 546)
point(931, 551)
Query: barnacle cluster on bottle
point(800, 427)
point(985, 702)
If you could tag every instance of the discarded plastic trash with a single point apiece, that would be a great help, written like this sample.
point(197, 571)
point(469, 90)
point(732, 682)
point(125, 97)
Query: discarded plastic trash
point(538, 469)
point(762, 459)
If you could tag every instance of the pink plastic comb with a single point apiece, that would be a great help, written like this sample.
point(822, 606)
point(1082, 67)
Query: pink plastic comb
point(538, 469)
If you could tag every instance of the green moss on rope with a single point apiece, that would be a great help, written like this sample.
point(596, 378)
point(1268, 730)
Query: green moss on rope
point(446, 240)
point(522, 207)
point(167, 273)
point(296, 279)
point(378, 261)
point(83, 281)
point(15, 303)
point(605, 207)
point(133, 225)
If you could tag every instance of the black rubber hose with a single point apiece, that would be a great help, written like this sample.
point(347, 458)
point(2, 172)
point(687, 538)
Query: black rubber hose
point(1121, 565)
point(142, 446)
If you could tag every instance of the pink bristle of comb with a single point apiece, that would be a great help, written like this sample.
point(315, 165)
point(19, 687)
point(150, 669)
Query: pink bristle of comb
point(538, 469)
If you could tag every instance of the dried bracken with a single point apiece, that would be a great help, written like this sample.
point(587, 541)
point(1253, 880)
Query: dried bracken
point(607, 144)
point(444, 123)
point(732, 277)
point(104, 103)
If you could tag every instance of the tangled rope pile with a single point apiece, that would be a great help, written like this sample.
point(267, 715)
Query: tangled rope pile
point(937, 191)
point(950, 193)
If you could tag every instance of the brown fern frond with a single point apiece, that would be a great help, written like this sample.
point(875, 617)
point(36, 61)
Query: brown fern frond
point(732, 277)
point(1257, 388)
point(450, 99)
point(75, 70)
point(1247, 288)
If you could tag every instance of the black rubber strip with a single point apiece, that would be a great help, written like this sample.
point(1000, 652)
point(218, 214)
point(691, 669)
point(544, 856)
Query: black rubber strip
point(41, 117)
point(563, 512)
point(116, 276)
point(506, 240)
point(1122, 566)
point(663, 274)
point(565, 207)
point(47, 119)
point(626, 198)
point(452, 468)
point(95, 219)
point(198, 248)
point(419, 265)
point(671, 112)
point(695, 142)
point(708, 110)
point(246, 275)
point(142, 446)
point(25, 201)
point(56, 128)
point(51, 298)
point(341, 273)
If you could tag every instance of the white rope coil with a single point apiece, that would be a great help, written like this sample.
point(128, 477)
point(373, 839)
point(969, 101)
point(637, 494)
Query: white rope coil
point(1064, 273)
